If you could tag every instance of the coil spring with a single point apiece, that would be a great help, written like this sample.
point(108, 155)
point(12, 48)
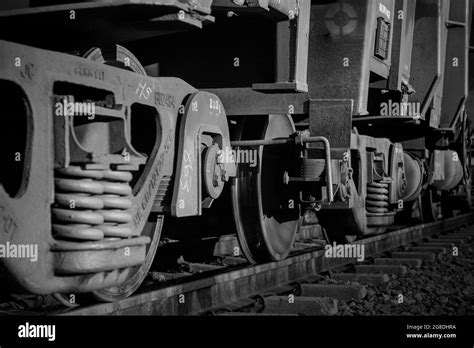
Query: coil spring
point(92, 204)
point(377, 198)
point(311, 168)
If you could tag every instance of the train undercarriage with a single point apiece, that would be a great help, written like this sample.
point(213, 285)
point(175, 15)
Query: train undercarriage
point(104, 145)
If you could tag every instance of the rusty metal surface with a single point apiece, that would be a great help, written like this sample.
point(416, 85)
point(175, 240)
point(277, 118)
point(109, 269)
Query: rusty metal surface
point(217, 291)
point(341, 53)
point(326, 113)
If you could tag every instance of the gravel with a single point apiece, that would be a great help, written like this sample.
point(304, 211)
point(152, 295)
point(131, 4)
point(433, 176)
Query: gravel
point(444, 286)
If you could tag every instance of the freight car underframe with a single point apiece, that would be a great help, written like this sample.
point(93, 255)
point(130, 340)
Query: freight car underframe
point(438, 167)
point(103, 190)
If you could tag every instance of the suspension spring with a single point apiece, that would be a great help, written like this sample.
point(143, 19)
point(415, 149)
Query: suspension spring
point(92, 204)
point(377, 198)
point(312, 168)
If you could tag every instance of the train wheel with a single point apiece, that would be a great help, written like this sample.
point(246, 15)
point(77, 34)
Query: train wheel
point(65, 301)
point(466, 159)
point(350, 239)
point(116, 56)
point(411, 212)
point(430, 202)
point(265, 221)
point(152, 229)
point(120, 57)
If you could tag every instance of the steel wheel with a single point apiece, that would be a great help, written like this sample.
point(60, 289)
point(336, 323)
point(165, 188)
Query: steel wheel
point(152, 229)
point(430, 202)
point(351, 239)
point(466, 158)
point(465, 151)
point(266, 224)
point(117, 56)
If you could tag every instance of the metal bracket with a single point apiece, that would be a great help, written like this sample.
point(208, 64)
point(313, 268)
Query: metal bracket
point(299, 140)
point(204, 113)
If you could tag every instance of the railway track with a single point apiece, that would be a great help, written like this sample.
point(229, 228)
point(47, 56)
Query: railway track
point(292, 286)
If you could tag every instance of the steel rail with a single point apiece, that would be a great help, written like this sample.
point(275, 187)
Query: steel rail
point(218, 291)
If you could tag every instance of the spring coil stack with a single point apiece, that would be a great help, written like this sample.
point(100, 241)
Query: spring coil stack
point(377, 198)
point(91, 205)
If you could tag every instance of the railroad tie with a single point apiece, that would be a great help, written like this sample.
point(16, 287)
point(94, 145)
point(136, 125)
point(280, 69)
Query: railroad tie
point(425, 256)
point(455, 241)
point(407, 262)
point(252, 314)
point(300, 305)
point(337, 291)
point(461, 237)
point(387, 269)
point(435, 250)
point(447, 245)
point(362, 278)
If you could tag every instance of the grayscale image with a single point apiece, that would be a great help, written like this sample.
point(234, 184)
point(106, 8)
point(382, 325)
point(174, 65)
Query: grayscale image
point(236, 158)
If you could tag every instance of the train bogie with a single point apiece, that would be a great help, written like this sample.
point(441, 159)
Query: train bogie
point(352, 112)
